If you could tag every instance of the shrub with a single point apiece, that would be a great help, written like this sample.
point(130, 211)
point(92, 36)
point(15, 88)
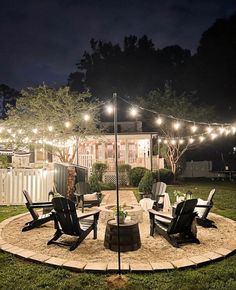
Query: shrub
point(4, 161)
point(166, 175)
point(94, 183)
point(98, 169)
point(107, 186)
point(136, 174)
point(124, 168)
point(145, 184)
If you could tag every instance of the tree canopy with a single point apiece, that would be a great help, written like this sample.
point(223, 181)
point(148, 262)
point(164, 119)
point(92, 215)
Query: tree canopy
point(52, 117)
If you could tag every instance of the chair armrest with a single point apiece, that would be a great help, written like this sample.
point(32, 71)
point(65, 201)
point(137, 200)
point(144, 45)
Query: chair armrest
point(84, 215)
point(203, 205)
point(154, 212)
point(40, 205)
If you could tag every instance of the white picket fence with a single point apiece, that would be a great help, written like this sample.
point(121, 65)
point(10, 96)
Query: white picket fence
point(38, 182)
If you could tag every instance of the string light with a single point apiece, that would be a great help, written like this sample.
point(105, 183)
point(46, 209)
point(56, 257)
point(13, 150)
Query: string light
point(165, 141)
point(20, 131)
point(221, 129)
point(213, 136)
point(159, 121)
point(50, 128)
point(67, 124)
point(176, 125)
point(194, 128)
point(109, 109)
point(201, 138)
point(227, 132)
point(173, 141)
point(86, 117)
point(181, 141)
point(191, 140)
point(133, 112)
point(209, 129)
point(159, 140)
point(35, 130)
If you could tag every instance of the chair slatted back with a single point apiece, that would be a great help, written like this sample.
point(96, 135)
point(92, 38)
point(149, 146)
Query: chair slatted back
point(29, 202)
point(66, 216)
point(184, 216)
point(82, 187)
point(210, 196)
point(158, 188)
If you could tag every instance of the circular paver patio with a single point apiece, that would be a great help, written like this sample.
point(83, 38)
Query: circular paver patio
point(155, 253)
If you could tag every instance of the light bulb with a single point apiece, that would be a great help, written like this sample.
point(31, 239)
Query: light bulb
point(191, 140)
point(165, 141)
point(201, 138)
point(221, 130)
point(181, 141)
point(159, 121)
point(67, 124)
point(86, 117)
point(159, 140)
point(194, 128)
point(35, 130)
point(176, 126)
point(213, 136)
point(173, 141)
point(50, 128)
point(209, 129)
point(133, 112)
point(109, 109)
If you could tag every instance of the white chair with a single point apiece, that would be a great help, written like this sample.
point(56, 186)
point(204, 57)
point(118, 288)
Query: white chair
point(202, 209)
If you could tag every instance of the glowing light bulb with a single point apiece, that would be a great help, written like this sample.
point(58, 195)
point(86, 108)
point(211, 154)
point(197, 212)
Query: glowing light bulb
point(227, 132)
point(233, 129)
point(194, 128)
point(165, 141)
point(50, 128)
point(221, 130)
point(67, 124)
point(133, 112)
point(176, 126)
point(209, 129)
point(159, 140)
point(201, 138)
point(213, 136)
point(159, 121)
point(173, 141)
point(35, 130)
point(86, 117)
point(181, 141)
point(191, 140)
point(109, 109)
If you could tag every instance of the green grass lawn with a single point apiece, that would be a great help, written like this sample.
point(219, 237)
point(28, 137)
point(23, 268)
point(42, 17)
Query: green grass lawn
point(18, 274)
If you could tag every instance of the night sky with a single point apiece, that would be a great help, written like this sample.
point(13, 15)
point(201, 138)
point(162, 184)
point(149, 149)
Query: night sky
point(42, 40)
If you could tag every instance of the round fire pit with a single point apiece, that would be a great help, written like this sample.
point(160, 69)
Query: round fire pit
point(135, 212)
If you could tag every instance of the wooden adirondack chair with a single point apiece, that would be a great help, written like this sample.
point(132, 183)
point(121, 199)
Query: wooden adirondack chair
point(158, 190)
point(38, 220)
point(67, 222)
point(203, 208)
point(178, 229)
point(84, 196)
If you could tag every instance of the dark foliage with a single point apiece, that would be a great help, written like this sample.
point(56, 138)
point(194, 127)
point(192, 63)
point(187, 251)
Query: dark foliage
point(136, 174)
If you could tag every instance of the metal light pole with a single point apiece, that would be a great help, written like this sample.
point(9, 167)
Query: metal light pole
point(117, 178)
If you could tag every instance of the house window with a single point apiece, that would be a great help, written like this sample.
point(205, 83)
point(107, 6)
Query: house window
point(39, 155)
point(99, 152)
point(132, 152)
point(121, 151)
point(110, 151)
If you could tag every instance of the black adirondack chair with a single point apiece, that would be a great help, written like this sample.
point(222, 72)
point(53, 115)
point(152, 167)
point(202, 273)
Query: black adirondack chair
point(177, 229)
point(203, 208)
point(38, 220)
point(85, 197)
point(67, 222)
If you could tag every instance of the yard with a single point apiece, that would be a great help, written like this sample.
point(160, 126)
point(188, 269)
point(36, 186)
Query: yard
point(17, 274)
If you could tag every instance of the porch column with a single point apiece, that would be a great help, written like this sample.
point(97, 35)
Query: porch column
point(150, 152)
point(103, 152)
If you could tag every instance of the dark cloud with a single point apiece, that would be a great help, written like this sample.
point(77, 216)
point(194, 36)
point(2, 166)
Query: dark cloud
point(41, 40)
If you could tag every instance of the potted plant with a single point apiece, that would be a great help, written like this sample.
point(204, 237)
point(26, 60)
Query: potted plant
point(122, 214)
point(180, 196)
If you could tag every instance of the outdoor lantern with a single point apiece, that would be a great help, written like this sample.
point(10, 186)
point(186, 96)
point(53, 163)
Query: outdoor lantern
point(189, 194)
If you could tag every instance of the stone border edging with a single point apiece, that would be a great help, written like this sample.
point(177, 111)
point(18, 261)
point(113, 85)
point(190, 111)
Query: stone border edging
point(191, 262)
